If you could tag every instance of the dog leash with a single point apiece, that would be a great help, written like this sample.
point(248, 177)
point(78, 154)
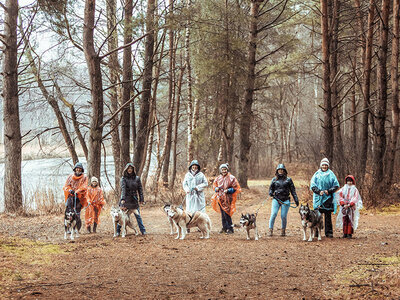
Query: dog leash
point(290, 203)
point(262, 204)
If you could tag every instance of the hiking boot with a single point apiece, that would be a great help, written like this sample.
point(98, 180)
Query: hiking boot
point(345, 235)
point(229, 231)
point(94, 227)
point(188, 230)
point(222, 230)
point(329, 235)
point(271, 232)
point(349, 236)
point(88, 229)
point(283, 232)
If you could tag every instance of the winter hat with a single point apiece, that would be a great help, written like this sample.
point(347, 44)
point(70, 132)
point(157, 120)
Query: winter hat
point(324, 161)
point(94, 179)
point(78, 165)
point(223, 166)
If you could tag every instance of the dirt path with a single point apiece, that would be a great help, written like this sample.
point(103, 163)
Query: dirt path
point(157, 266)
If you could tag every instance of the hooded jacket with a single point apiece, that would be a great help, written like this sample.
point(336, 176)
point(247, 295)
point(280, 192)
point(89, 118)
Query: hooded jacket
point(194, 185)
point(131, 189)
point(282, 186)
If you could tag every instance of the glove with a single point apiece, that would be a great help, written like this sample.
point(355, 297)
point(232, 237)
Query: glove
point(230, 191)
point(72, 192)
point(341, 203)
point(216, 189)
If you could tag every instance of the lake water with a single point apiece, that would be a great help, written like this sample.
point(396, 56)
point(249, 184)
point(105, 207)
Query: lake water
point(51, 174)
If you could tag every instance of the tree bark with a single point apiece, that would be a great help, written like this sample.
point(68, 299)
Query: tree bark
point(171, 99)
point(96, 87)
point(326, 82)
point(126, 84)
point(381, 104)
point(189, 88)
point(247, 114)
point(113, 66)
point(394, 130)
point(366, 90)
point(11, 120)
point(143, 130)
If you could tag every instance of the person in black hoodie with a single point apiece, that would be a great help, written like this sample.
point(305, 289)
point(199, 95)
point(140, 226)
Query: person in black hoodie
point(131, 195)
point(280, 189)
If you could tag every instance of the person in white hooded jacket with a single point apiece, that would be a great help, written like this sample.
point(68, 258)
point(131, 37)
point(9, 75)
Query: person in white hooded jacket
point(194, 184)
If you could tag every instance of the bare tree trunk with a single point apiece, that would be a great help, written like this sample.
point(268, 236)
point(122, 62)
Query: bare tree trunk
point(189, 88)
point(96, 86)
point(354, 107)
point(113, 69)
point(171, 100)
point(147, 164)
point(366, 90)
point(247, 114)
point(326, 82)
point(380, 108)
point(12, 130)
point(176, 125)
point(126, 84)
point(394, 130)
point(143, 130)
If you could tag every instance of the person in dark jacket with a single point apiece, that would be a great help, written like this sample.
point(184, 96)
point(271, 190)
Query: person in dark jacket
point(280, 189)
point(131, 195)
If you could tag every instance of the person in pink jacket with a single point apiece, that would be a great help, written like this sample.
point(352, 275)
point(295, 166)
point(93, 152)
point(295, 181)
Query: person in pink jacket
point(350, 203)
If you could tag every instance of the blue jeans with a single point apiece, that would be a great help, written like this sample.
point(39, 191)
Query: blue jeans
point(274, 212)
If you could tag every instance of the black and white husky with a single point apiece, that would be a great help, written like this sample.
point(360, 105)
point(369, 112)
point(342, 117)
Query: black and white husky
point(248, 221)
point(122, 218)
point(174, 228)
point(311, 219)
point(70, 222)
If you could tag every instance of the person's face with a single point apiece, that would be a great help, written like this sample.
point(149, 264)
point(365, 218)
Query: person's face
point(281, 171)
point(78, 170)
point(224, 171)
point(324, 168)
point(349, 182)
point(94, 183)
point(195, 168)
point(130, 170)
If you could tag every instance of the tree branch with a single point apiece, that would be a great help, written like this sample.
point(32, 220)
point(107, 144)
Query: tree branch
point(123, 46)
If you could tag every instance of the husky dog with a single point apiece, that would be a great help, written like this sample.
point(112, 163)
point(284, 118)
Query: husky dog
point(174, 228)
point(313, 220)
point(248, 221)
point(70, 222)
point(122, 218)
point(184, 220)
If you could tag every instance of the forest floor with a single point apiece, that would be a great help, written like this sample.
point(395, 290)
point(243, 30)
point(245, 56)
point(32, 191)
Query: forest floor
point(37, 263)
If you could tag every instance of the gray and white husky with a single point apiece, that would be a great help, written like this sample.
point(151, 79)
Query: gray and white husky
point(311, 219)
point(174, 228)
point(70, 223)
point(248, 221)
point(122, 218)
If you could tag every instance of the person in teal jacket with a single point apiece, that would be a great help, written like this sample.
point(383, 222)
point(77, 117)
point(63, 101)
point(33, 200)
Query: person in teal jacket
point(324, 184)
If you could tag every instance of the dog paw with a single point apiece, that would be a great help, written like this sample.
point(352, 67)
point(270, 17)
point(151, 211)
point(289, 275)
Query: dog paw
point(319, 238)
point(247, 238)
point(309, 240)
point(256, 239)
point(304, 240)
point(177, 238)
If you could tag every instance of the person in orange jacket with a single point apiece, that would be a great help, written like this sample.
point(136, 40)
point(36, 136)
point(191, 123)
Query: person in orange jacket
point(75, 191)
point(95, 201)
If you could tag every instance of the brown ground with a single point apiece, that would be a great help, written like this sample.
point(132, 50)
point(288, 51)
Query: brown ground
point(156, 266)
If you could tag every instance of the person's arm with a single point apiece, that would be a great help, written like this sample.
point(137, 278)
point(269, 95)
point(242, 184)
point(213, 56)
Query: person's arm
point(140, 190)
point(271, 188)
point(203, 184)
point(185, 184)
point(314, 187)
point(293, 192)
point(123, 192)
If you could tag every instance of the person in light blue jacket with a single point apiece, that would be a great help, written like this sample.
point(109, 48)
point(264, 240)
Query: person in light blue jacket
point(324, 184)
point(194, 184)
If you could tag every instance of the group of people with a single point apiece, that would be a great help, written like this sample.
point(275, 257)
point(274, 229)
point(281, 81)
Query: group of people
point(325, 187)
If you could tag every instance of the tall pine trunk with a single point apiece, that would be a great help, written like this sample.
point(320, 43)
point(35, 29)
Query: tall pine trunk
point(326, 82)
point(96, 88)
point(113, 66)
point(380, 108)
point(366, 90)
point(126, 84)
point(12, 130)
point(394, 130)
point(247, 114)
point(143, 128)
